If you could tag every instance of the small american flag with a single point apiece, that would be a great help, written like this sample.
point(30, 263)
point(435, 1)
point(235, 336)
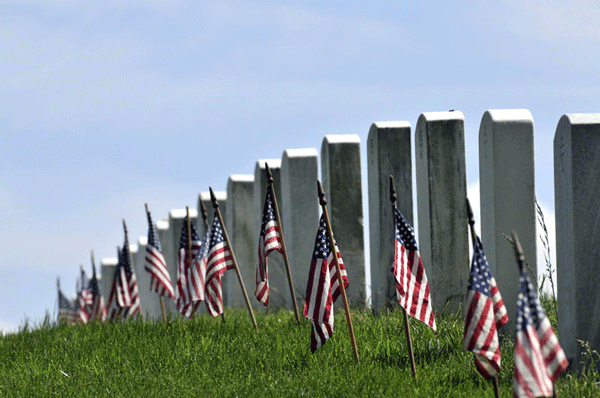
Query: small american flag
point(485, 315)
point(539, 358)
point(124, 300)
point(190, 281)
point(84, 298)
point(269, 240)
point(66, 308)
point(160, 280)
point(323, 287)
point(412, 288)
point(219, 261)
point(96, 310)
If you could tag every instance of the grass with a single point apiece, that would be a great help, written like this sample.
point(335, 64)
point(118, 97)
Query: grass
point(204, 357)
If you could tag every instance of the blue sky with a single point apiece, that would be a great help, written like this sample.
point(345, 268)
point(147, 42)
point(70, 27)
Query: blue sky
point(106, 107)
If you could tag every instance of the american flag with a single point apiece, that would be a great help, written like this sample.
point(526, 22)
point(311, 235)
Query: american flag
point(219, 261)
point(269, 240)
point(84, 298)
point(539, 358)
point(124, 300)
point(160, 280)
point(323, 288)
point(412, 288)
point(485, 315)
point(190, 280)
point(66, 308)
point(96, 310)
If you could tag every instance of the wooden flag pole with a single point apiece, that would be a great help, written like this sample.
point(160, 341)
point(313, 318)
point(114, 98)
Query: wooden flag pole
point(323, 203)
point(131, 261)
point(474, 239)
point(393, 198)
point(285, 256)
point(215, 203)
point(162, 299)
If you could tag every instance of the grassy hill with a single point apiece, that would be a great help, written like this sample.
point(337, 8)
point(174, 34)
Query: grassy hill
point(204, 357)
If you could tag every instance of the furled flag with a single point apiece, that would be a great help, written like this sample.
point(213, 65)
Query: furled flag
point(219, 261)
point(66, 308)
point(268, 241)
point(124, 300)
point(323, 288)
point(84, 298)
point(96, 310)
point(539, 358)
point(160, 281)
point(190, 280)
point(485, 315)
point(412, 288)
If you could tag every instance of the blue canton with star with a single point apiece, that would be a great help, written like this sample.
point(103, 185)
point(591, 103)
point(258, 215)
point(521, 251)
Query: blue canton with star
point(529, 309)
point(268, 213)
point(405, 234)
point(322, 244)
point(183, 243)
point(152, 235)
point(125, 257)
point(479, 280)
point(216, 235)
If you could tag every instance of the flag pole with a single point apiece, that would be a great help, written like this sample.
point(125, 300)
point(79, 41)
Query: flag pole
point(215, 203)
point(285, 256)
point(393, 199)
point(474, 239)
point(162, 299)
point(336, 261)
point(131, 262)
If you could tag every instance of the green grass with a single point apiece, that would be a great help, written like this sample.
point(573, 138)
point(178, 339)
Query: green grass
point(204, 357)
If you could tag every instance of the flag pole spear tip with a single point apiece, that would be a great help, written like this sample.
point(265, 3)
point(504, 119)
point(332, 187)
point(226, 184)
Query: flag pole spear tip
point(321, 193)
point(213, 198)
point(393, 196)
point(470, 213)
point(269, 174)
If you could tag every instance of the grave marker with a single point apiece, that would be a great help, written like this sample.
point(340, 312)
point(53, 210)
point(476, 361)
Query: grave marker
point(441, 197)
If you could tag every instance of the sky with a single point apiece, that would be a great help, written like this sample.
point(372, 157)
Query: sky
point(104, 107)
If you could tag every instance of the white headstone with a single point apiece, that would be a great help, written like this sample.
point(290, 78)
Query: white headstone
point(342, 182)
point(299, 206)
point(239, 222)
point(107, 271)
point(204, 197)
point(441, 203)
point(388, 153)
point(577, 200)
point(507, 192)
